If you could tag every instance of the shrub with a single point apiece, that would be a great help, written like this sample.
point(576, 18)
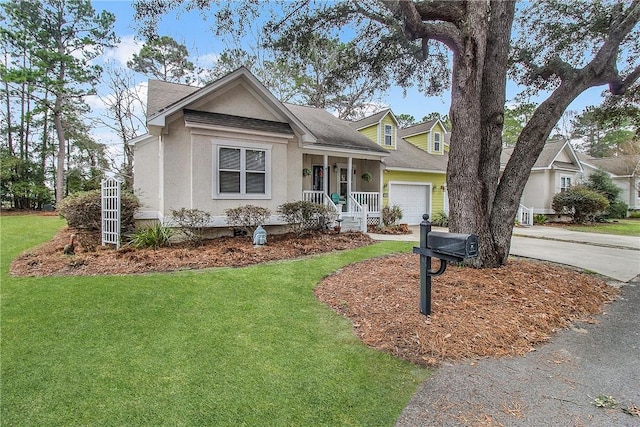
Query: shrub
point(581, 203)
point(247, 217)
point(634, 214)
point(440, 219)
point(84, 210)
point(617, 210)
point(601, 182)
point(391, 215)
point(191, 223)
point(154, 236)
point(540, 219)
point(307, 216)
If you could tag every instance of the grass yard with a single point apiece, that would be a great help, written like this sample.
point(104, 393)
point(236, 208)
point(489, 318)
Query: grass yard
point(244, 346)
point(621, 227)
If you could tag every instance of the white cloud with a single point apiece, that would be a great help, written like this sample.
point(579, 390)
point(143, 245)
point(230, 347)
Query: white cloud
point(124, 51)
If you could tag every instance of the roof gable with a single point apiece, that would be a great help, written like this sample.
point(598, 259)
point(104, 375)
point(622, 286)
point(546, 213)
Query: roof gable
point(558, 153)
point(420, 128)
point(375, 119)
point(191, 98)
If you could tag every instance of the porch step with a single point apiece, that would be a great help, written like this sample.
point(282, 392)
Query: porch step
point(350, 224)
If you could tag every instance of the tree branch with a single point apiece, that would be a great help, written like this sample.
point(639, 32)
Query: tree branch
point(413, 17)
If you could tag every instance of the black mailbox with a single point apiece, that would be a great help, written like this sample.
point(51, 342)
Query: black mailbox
point(448, 247)
point(453, 244)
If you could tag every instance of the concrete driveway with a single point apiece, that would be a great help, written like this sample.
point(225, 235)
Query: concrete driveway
point(617, 257)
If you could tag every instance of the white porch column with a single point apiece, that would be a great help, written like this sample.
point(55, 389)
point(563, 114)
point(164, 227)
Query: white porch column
point(325, 174)
point(349, 181)
point(381, 189)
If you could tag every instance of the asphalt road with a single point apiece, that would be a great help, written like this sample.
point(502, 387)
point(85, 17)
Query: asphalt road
point(587, 375)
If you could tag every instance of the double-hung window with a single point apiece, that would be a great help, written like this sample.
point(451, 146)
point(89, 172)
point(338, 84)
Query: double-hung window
point(242, 171)
point(565, 183)
point(388, 135)
point(436, 142)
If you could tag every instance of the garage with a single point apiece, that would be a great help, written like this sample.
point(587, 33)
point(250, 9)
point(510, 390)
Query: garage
point(412, 198)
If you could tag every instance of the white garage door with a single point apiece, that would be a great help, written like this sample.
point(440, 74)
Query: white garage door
point(412, 199)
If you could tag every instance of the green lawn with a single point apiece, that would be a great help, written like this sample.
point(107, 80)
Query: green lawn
point(245, 346)
point(621, 227)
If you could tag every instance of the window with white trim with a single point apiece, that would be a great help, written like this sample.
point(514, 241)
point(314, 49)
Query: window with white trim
point(436, 142)
point(242, 171)
point(388, 135)
point(565, 183)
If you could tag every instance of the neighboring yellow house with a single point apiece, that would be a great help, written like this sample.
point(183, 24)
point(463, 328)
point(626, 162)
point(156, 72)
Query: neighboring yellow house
point(414, 175)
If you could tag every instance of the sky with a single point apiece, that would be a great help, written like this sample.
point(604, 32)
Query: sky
point(190, 29)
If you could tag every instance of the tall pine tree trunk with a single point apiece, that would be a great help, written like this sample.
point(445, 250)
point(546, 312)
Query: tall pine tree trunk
point(60, 170)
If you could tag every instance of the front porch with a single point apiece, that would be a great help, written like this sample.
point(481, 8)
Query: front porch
point(351, 185)
point(357, 211)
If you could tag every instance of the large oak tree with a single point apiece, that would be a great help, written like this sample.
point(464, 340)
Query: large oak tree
point(564, 47)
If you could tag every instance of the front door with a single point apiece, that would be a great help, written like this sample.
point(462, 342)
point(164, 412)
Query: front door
point(318, 172)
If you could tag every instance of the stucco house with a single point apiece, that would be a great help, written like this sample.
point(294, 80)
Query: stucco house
point(556, 169)
point(233, 143)
point(624, 172)
point(415, 171)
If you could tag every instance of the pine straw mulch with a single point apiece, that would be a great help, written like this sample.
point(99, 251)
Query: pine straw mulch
point(476, 313)
point(91, 259)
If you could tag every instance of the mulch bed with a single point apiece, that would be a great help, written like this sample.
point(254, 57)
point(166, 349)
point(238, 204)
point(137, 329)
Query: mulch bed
point(475, 313)
point(90, 259)
point(498, 312)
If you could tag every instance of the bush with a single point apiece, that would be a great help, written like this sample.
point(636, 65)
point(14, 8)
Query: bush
point(391, 215)
point(155, 236)
point(581, 203)
point(440, 219)
point(617, 210)
point(191, 223)
point(247, 217)
point(84, 210)
point(634, 214)
point(540, 219)
point(601, 182)
point(307, 216)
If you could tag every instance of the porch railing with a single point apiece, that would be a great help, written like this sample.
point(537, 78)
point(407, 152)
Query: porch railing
point(355, 202)
point(525, 215)
point(371, 199)
point(358, 211)
point(318, 197)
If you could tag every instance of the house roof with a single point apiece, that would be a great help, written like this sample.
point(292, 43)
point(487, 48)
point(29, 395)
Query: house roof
point(330, 131)
point(217, 119)
point(617, 166)
point(240, 76)
point(161, 94)
point(373, 119)
point(548, 156)
point(423, 127)
point(408, 156)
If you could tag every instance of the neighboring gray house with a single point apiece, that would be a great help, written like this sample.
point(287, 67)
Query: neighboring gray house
point(556, 169)
point(623, 170)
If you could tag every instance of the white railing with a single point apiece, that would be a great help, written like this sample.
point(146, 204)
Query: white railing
point(318, 197)
point(525, 215)
point(371, 199)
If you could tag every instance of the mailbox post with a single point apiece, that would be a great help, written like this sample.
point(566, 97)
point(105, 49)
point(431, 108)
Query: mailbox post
point(444, 246)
